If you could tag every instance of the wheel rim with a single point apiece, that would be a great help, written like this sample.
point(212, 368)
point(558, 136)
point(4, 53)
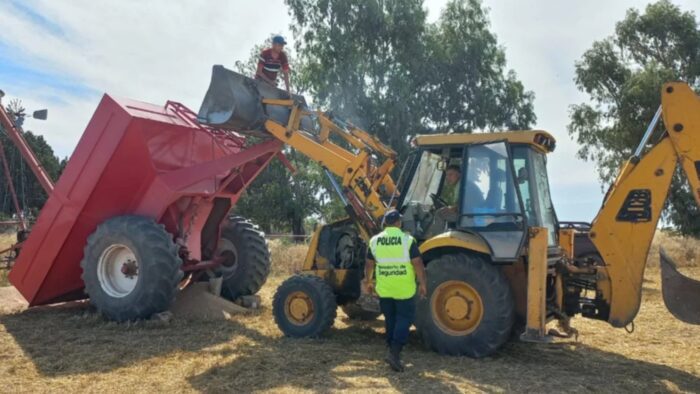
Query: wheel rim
point(299, 308)
point(457, 307)
point(230, 264)
point(118, 270)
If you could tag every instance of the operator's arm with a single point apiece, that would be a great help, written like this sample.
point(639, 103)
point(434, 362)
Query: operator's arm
point(420, 274)
point(369, 273)
point(419, 268)
point(285, 72)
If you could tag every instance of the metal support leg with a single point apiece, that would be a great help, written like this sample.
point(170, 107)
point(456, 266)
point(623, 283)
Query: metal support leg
point(536, 286)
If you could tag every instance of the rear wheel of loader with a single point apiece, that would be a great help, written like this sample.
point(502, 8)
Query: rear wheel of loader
point(355, 312)
point(247, 258)
point(469, 310)
point(131, 268)
point(304, 306)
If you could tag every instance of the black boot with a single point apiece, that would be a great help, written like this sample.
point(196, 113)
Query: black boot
point(393, 358)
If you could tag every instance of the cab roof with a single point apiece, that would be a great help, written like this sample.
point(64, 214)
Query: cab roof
point(539, 139)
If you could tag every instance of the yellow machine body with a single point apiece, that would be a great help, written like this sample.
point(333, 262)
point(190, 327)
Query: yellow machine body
point(549, 273)
point(622, 245)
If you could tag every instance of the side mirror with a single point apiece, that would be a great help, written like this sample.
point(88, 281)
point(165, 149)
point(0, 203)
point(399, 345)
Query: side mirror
point(442, 165)
point(41, 114)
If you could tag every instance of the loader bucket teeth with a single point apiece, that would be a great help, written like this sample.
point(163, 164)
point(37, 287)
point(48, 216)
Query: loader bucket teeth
point(681, 294)
point(234, 101)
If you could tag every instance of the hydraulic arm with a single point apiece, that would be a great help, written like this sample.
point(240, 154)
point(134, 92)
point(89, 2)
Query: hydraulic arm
point(366, 187)
point(360, 160)
point(625, 226)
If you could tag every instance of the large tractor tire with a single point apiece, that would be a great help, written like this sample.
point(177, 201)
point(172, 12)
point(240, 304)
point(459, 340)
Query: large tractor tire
point(131, 268)
point(247, 258)
point(469, 310)
point(304, 306)
point(355, 312)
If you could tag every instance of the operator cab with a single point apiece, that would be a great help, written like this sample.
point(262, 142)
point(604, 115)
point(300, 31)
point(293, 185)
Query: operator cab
point(502, 188)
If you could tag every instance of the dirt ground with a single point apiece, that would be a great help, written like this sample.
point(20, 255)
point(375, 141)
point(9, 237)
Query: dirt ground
point(71, 349)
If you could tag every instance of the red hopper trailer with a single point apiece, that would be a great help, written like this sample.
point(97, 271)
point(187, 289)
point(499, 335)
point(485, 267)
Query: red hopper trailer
point(143, 203)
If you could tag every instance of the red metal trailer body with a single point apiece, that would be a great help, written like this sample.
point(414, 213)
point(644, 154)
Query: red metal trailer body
point(141, 159)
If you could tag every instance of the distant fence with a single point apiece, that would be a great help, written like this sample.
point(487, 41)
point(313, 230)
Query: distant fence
point(290, 237)
point(8, 226)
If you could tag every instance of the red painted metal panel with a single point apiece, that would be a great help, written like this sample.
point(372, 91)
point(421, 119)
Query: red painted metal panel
point(134, 158)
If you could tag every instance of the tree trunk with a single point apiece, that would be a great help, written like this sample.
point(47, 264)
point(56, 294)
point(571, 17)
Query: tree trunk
point(298, 229)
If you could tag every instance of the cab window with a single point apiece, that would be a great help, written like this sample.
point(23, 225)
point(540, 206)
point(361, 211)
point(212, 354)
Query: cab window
point(489, 197)
point(426, 180)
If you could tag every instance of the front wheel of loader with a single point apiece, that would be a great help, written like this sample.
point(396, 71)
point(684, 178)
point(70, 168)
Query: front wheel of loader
point(469, 310)
point(246, 262)
point(304, 306)
point(131, 268)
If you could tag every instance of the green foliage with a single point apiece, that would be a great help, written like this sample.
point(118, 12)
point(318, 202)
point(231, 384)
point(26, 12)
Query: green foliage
point(281, 201)
point(623, 75)
point(30, 193)
point(467, 87)
point(381, 65)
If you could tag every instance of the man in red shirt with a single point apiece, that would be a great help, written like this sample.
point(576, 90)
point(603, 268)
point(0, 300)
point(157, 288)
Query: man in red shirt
point(272, 61)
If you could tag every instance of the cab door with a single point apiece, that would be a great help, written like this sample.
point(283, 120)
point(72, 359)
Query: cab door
point(490, 203)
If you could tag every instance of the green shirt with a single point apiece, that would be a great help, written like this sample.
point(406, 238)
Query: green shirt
point(450, 193)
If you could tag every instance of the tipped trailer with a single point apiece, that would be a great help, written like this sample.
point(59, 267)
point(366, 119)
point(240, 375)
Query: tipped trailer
point(142, 209)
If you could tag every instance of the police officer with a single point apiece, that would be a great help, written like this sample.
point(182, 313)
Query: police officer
point(394, 257)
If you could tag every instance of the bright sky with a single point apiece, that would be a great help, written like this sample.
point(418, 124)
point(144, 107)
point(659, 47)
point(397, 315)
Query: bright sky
point(63, 55)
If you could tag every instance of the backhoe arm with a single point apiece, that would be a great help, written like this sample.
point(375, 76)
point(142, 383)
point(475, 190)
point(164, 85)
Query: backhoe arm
point(624, 228)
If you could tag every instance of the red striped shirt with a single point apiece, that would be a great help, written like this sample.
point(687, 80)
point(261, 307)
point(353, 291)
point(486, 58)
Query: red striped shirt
point(272, 65)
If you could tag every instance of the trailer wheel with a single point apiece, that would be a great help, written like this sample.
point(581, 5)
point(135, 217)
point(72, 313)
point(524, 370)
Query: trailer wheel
point(131, 268)
point(355, 312)
point(247, 258)
point(304, 306)
point(469, 310)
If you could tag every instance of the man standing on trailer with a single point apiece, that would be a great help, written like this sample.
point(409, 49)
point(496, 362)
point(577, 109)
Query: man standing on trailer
point(395, 259)
point(272, 61)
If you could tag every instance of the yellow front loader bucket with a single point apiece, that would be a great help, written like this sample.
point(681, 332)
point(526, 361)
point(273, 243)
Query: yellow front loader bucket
point(681, 294)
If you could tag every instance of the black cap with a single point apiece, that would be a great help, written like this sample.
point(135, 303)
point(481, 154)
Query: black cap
point(392, 216)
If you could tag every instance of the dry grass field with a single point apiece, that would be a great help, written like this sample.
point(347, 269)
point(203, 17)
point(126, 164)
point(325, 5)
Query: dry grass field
point(61, 349)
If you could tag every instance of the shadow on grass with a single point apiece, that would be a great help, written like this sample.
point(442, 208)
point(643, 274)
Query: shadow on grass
point(347, 359)
point(352, 359)
point(62, 342)
point(70, 340)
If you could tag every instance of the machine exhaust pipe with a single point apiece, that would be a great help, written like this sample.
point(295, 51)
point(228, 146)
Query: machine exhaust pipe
point(681, 294)
point(234, 101)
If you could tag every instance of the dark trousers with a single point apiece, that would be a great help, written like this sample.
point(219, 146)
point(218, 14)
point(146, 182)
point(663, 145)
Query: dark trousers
point(398, 317)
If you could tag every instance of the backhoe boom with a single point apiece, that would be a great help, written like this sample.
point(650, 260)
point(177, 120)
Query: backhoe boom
point(625, 226)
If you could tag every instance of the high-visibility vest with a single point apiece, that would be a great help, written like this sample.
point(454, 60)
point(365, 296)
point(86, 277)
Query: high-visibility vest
point(393, 269)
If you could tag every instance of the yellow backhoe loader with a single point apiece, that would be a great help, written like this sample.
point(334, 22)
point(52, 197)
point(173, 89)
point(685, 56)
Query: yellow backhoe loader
point(497, 257)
